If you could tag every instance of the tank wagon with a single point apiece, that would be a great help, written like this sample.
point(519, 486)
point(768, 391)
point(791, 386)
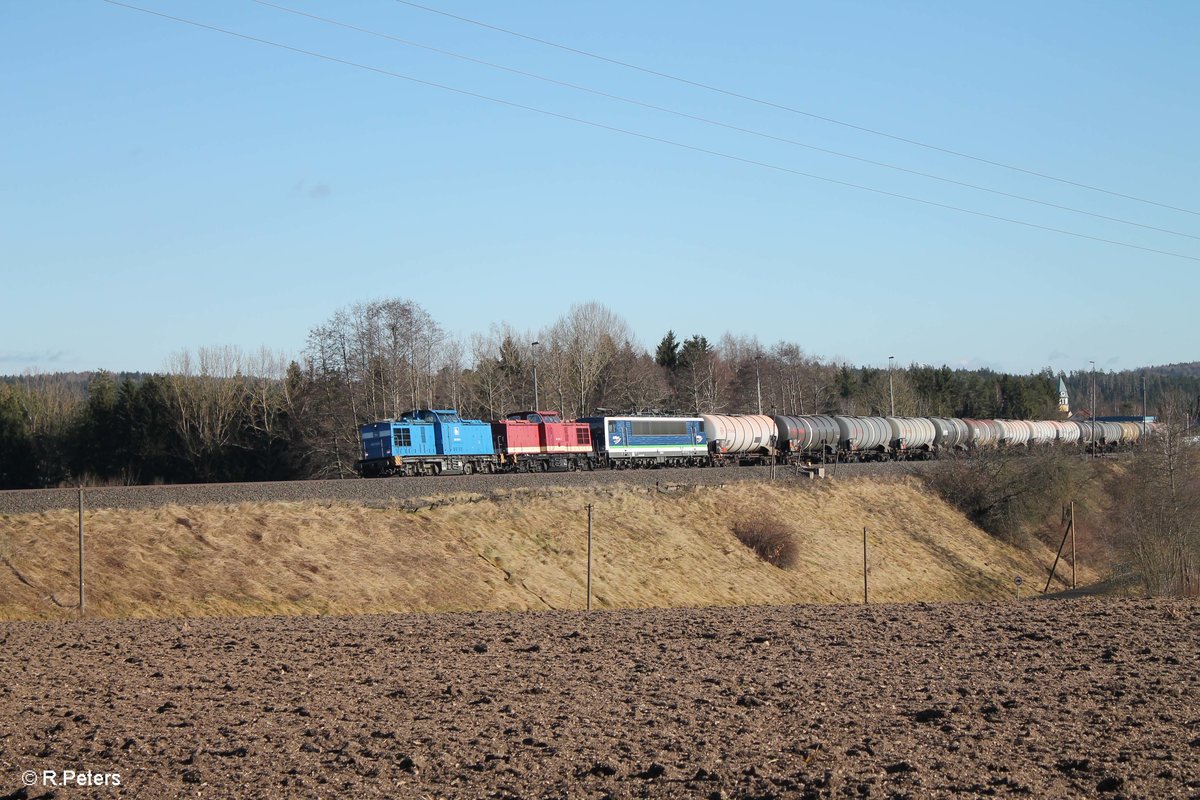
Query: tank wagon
point(913, 435)
point(440, 441)
point(1066, 432)
point(985, 433)
point(800, 437)
point(745, 439)
point(1013, 432)
point(950, 433)
point(863, 437)
point(1042, 432)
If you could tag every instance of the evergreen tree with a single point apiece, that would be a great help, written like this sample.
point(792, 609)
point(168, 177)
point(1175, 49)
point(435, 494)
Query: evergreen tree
point(18, 464)
point(667, 354)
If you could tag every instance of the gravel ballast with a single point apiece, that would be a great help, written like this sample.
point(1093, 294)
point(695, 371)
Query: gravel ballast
point(31, 501)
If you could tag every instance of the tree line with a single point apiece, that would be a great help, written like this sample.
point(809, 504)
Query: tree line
point(220, 414)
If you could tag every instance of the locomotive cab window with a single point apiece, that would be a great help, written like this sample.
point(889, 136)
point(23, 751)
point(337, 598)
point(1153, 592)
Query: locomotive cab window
point(658, 427)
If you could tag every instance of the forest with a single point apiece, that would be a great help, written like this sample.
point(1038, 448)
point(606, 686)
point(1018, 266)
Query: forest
point(223, 414)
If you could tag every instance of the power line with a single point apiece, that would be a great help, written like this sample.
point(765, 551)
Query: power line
point(792, 110)
point(717, 123)
point(644, 136)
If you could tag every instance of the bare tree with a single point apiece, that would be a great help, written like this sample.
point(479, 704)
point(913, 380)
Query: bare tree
point(584, 341)
point(207, 393)
point(633, 382)
point(1159, 510)
point(369, 361)
point(488, 387)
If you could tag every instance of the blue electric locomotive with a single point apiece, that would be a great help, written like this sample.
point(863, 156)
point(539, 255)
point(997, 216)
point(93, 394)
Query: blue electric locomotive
point(624, 442)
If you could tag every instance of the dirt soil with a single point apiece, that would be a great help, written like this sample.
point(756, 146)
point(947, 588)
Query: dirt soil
point(1096, 698)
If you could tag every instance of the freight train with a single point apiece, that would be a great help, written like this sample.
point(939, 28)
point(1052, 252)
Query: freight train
point(435, 442)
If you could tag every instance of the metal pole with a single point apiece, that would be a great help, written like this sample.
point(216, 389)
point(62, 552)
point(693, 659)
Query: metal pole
point(81, 552)
point(758, 382)
point(536, 405)
point(864, 566)
point(1143, 405)
point(589, 559)
point(1094, 447)
point(891, 388)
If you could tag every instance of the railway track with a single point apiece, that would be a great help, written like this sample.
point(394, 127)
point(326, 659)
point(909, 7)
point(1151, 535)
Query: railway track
point(32, 501)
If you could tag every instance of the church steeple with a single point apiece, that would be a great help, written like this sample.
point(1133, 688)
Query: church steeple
point(1064, 402)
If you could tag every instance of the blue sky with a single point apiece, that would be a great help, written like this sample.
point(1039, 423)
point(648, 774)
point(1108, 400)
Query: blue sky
point(168, 187)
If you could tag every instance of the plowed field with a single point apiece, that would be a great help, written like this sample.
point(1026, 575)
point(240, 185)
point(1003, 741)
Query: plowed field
point(1037, 699)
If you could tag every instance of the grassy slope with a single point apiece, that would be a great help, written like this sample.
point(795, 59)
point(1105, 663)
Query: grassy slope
point(522, 550)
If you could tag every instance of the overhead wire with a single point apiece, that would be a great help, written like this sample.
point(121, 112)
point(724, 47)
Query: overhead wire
point(792, 109)
point(643, 136)
point(718, 123)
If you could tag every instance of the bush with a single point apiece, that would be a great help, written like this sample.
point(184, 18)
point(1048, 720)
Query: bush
point(771, 539)
point(1158, 514)
point(1008, 493)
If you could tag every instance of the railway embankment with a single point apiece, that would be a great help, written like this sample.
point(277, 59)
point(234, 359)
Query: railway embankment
point(511, 548)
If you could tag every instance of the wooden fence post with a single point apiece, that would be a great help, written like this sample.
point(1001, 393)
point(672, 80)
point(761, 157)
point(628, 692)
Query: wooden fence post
point(589, 559)
point(81, 552)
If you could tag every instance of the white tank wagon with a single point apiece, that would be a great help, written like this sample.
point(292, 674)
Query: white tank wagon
point(1111, 433)
point(815, 434)
point(950, 433)
point(1042, 432)
point(863, 434)
point(910, 433)
point(984, 432)
point(1067, 432)
point(1130, 432)
point(1014, 432)
point(740, 435)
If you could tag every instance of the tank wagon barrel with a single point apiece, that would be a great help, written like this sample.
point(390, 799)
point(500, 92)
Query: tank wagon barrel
point(865, 435)
point(984, 432)
point(911, 433)
point(1130, 432)
point(740, 435)
point(1067, 432)
point(1013, 432)
point(950, 433)
point(1042, 432)
point(815, 434)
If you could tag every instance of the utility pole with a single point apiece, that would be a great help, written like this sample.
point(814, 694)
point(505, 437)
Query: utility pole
point(891, 388)
point(534, 345)
point(758, 381)
point(1143, 405)
point(1095, 448)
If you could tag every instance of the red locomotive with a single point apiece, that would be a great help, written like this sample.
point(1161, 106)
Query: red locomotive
point(539, 441)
